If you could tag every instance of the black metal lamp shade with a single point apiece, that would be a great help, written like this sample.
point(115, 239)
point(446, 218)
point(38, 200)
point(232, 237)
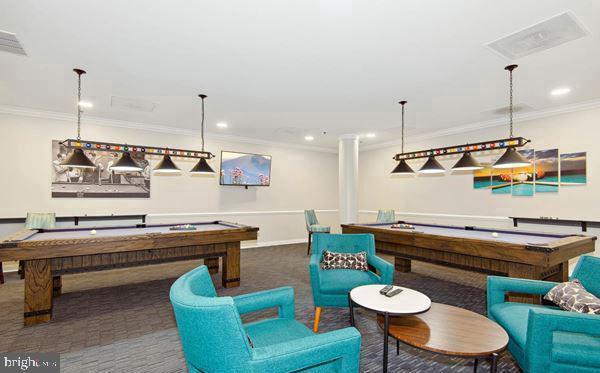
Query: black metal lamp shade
point(78, 159)
point(402, 168)
point(126, 163)
point(432, 166)
point(511, 159)
point(202, 167)
point(467, 163)
point(166, 165)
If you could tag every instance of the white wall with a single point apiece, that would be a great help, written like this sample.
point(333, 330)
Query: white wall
point(428, 198)
point(300, 179)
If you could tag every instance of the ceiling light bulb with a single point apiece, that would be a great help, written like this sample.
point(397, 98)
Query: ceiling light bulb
point(222, 125)
point(560, 91)
point(370, 135)
point(86, 104)
point(309, 138)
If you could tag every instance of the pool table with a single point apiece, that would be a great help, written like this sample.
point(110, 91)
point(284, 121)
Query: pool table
point(50, 253)
point(538, 256)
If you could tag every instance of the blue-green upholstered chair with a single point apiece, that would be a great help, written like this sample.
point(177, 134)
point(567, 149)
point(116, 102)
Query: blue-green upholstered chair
point(330, 287)
point(544, 338)
point(313, 226)
point(386, 216)
point(215, 340)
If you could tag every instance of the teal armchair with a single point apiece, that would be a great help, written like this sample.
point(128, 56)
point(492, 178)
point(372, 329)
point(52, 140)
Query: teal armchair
point(214, 339)
point(313, 226)
point(386, 216)
point(330, 287)
point(546, 338)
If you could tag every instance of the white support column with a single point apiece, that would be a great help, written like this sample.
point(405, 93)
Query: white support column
point(348, 178)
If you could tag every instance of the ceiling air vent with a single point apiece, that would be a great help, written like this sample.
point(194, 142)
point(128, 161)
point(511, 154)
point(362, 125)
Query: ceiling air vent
point(550, 33)
point(132, 104)
point(10, 44)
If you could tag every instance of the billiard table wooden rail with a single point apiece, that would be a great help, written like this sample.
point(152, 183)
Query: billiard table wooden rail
point(45, 261)
point(534, 261)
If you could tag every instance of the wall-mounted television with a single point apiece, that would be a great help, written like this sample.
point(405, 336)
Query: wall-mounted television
point(245, 169)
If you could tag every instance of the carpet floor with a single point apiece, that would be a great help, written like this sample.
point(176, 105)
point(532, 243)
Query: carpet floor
point(121, 320)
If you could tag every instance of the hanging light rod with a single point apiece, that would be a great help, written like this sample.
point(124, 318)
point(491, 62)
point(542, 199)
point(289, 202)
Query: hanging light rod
point(515, 142)
point(126, 148)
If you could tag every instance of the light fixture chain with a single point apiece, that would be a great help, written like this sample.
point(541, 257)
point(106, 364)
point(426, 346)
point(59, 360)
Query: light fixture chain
point(402, 128)
point(79, 107)
point(511, 104)
point(202, 131)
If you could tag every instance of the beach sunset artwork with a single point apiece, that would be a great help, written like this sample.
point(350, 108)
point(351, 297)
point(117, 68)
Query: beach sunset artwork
point(573, 168)
point(523, 177)
point(482, 179)
point(501, 181)
point(546, 170)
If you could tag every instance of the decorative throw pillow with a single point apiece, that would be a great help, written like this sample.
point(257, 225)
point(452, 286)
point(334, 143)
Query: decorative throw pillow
point(572, 296)
point(333, 260)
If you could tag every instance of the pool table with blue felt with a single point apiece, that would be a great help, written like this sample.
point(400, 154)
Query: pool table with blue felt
point(50, 253)
point(534, 255)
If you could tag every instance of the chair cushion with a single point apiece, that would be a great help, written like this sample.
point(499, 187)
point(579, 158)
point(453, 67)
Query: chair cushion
point(341, 281)
point(332, 260)
point(572, 296)
point(273, 331)
point(513, 317)
point(318, 228)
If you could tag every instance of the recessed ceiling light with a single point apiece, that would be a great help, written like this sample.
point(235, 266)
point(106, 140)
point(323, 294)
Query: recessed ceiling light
point(370, 135)
point(560, 91)
point(222, 125)
point(86, 104)
point(309, 138)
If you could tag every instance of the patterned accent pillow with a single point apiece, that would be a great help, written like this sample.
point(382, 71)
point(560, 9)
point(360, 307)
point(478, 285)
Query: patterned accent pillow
point(332, 260)
point(572, 296)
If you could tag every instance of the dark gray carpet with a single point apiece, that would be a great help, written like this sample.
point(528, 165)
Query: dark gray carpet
point(121, 320)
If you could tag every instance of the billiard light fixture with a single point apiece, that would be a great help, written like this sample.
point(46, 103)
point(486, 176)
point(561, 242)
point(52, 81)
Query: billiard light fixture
point(126, 164)
point(511, 158)
point(166, 165)
point(202, 167)
point(402, 168)
point(78, 159)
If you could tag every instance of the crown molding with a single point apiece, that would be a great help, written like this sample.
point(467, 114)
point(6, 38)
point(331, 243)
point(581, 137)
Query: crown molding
point(539, 114)
point(104, 122)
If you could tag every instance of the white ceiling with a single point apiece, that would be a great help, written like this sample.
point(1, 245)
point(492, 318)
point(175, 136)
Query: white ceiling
point(279, 70)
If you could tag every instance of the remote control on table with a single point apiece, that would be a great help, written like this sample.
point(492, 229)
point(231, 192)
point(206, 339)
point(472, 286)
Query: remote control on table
point(396, 291)
point(385, 289)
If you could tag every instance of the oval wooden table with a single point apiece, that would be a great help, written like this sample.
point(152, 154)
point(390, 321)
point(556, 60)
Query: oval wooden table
point(451, 331)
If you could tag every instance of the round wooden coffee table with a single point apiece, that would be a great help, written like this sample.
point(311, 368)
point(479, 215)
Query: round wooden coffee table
point(451, 331)
point(408, 302)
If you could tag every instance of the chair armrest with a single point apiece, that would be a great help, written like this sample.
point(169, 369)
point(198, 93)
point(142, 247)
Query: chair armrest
point(315, 282)
point(386, 269)
point(342, 345)
point(283, 298)
point(542, 323)
point(497, 286)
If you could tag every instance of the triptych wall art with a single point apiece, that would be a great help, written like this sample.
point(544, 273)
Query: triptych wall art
point(546, 173)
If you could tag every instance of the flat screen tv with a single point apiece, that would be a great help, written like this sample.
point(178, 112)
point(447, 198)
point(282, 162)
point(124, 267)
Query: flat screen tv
point(245, 169)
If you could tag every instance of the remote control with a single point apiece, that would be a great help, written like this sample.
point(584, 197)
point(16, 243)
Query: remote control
point(396, 291)
point(385, 289)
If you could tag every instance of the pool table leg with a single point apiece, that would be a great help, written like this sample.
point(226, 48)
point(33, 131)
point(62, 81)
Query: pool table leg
point(38, 292)
point(231, 265)
point(517, 270)
point(56, 286)
point(212, 264)
point(402, 265)
point(562, 275)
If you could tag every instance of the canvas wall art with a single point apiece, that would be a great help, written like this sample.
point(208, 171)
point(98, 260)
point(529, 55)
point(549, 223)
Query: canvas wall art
point(546, 169)
point(245, 169)
point(100, 182)
point(482, 179)
point(523, 177)
point(573, 169)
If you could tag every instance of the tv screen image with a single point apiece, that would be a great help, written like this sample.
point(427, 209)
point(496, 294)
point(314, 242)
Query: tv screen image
point(245, 169)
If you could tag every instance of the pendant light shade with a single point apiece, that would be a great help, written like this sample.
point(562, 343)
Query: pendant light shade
point(126, 163)
point(166, 165)
point(402, 168)
point(511, 159)
point(78, 159)
point(432, 166)
point(467, 163)
point(202, 167)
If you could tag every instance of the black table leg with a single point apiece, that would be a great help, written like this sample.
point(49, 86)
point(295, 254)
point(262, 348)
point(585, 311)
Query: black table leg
point(475, 365)
point(386, 328)
point(397, 347)
point(351, 307)
point(494, 367)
